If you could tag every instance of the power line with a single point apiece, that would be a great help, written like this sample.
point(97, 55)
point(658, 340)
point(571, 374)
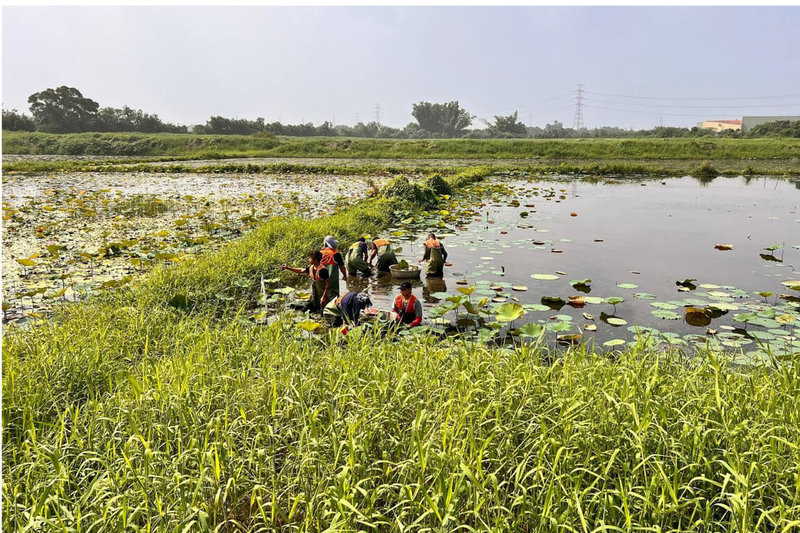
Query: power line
point(774, 97)
point(651, 104)
point(643, 112)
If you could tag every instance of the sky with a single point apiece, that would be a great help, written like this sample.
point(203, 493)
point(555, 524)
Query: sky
point(639, 66)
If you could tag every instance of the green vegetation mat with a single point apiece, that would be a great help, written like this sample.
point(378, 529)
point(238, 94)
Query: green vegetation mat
point(162, 407)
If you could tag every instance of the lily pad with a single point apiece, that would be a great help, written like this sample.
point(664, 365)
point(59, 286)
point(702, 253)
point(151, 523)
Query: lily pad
point(666, 315)
point(614, 342)
point(509, 312)
point(544, 277)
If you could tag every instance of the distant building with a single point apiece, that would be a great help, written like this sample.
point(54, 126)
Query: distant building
point(720, 125)
point(555, 127)
point(748, 123)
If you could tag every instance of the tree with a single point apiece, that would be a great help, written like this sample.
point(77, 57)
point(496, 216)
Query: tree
point(62, 110)
point(14, 121)
point(444, 120)
point(507, 127)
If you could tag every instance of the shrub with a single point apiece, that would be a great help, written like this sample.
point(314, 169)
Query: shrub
point(414, 193)
point(437, 184)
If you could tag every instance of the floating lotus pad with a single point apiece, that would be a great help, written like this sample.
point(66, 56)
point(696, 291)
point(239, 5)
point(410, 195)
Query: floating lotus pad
point(544, 277)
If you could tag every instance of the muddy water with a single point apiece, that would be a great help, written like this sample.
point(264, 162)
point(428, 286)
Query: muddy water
point(645, 233)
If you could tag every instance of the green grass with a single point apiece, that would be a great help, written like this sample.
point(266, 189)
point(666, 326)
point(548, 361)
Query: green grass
point(238, 428)
point(124, 413)
point(133, 144)
point(220, 146)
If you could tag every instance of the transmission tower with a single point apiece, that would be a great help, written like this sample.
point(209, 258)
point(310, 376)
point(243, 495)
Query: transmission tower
point(577, 123)
point(378, 114)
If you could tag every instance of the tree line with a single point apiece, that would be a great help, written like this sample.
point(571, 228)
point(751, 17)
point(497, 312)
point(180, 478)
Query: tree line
point(65, 110)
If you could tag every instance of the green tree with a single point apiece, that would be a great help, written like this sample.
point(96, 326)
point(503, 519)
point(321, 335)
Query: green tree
point(14, 121)
point(507, 127)
point(62, 110)
point(443, 120)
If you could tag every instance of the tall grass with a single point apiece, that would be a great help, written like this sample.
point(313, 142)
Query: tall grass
point(229, 427)
point(125, 413)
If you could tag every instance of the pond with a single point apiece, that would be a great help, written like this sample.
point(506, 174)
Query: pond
point(692, 262)
point(68, 235)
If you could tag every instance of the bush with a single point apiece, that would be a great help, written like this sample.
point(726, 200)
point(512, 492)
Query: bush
point(706, 170)
point(437, 184)
point(406, 191)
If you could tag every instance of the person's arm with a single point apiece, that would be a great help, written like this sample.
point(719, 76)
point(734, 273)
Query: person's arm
point(418, 312)
point(374, 253)
point(293, 269)
point(426, 255)
point(337, 258)
point(444, 253)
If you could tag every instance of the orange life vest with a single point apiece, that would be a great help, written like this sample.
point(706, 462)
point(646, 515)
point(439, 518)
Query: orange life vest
point(380, 242)
point(409, 310)
point(433, 243)
point(327, 256)
point(313, 272)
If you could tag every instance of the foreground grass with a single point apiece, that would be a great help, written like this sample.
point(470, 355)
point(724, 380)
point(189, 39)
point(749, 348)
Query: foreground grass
point(238, 428)
point(127, 413)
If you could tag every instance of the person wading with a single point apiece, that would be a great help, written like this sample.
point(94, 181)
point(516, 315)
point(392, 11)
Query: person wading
point(357, 259)
point(436, 255)
point(382, 249)
point(407, 308)
point(333, 262)
point(320, 282)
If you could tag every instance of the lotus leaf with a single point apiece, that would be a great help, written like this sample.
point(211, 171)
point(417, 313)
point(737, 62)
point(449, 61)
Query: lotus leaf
point(509, 312)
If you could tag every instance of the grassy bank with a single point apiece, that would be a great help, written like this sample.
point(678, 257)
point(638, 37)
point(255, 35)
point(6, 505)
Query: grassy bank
point(134, 144)
point(583, 167)
point(191, 146)
point(130, 412)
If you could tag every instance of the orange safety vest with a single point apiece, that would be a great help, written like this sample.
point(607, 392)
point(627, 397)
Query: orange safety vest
point(433, 243)
point(313, 272)
point(380, 242)
point(327, 256)
point(409, 311)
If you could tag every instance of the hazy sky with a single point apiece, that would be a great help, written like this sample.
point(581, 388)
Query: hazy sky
point(311, 64)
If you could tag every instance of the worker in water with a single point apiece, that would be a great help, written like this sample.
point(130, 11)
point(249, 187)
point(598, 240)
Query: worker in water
point(407, 308)
point(357, 258)
point(382, 249)
point(332, 260)
point(436, 255)
point(320, 282)
point(347, 309)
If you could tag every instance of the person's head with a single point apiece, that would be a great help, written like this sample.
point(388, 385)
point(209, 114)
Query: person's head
point(364, 299)
point(362, 239)
point(315, 258)
point(330, 242)
point(405, 289)
point(431, 236)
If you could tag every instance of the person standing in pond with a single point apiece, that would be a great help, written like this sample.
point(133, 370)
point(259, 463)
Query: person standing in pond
point(436, 255)
point(357, 259)
point(382, 248)
point(407, 308)
point(320, 282)
point(332, 260)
